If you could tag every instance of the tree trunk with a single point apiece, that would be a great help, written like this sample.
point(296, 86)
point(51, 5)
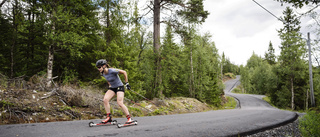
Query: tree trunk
point(51, 52)
point(50, 64)
point(192, 76)
point(14, 38)
point(307, 100)
point(156, 26)
point(156, 44)
point(292, 95)
point(12, 56)
point(221, 71)
point(158, 78)
point(108, 34)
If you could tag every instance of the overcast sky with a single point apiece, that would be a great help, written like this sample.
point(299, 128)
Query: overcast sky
point(241, 27)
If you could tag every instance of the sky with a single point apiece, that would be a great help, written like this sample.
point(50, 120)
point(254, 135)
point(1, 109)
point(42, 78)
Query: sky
point(240, 28)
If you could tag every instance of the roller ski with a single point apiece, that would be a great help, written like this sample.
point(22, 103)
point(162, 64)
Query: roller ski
point(107, 121)
point(114, 122)
point(134, 122)
point(130, 122)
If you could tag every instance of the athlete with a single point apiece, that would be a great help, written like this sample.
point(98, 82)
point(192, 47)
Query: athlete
point(116, 87)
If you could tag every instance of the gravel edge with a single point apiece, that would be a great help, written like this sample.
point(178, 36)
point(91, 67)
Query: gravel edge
point(288, 130)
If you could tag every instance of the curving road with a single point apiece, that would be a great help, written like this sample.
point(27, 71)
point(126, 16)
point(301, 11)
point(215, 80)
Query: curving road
point(246, 101)
point(253, 115)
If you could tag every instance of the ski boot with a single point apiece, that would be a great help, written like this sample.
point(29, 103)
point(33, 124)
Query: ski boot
point(130, 122)
point(108, 119)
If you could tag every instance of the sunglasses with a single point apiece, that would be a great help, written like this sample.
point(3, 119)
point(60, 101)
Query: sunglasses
point(99, 67)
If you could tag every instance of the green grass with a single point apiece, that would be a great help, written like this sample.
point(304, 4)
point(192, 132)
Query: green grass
point(239, 90)
point(231, 103)
point(267, 99)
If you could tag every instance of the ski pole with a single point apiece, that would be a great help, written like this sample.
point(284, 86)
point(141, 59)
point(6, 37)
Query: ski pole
point(143, 97)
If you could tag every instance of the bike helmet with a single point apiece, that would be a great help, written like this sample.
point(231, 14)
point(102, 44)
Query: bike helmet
point(101, 62)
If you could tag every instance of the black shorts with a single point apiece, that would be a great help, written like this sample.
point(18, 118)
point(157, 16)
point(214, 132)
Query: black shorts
point(115, 90)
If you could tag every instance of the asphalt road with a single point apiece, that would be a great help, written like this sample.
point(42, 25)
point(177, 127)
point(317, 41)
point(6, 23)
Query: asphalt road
point(253, 115)
point(246, 101)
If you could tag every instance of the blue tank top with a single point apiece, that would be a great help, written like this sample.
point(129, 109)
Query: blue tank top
point(113, 78)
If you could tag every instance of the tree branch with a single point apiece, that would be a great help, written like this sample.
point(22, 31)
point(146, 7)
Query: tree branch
point(178, 3)
point(4, 1)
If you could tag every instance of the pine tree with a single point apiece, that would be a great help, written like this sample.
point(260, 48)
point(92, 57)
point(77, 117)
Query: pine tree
point(191, 10)
point(171, 65)
point(223, 60)
point(269, 56)
point(292, 66)
point(68, 26)
point(299, 3)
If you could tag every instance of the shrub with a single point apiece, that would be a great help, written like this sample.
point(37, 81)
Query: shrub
point(309, 125)
point(3, 81)
point(231, 103)
point(230, 75)
point(4, 104)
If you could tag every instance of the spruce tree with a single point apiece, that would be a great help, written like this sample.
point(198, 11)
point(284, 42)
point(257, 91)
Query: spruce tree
point(292, 68)
point(269, 56)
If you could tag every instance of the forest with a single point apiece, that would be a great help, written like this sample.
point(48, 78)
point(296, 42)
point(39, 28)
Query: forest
point(285, 78)
point(62, 40)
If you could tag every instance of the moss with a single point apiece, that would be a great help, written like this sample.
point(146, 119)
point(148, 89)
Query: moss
point(64, 108)
point(4, 103)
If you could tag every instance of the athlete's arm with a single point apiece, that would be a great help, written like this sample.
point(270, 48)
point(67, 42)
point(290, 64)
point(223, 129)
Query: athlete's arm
point(124, 74)
point(109, 84)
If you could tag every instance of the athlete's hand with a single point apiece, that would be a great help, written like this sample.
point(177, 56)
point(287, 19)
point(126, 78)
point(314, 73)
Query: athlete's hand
point(128, 86)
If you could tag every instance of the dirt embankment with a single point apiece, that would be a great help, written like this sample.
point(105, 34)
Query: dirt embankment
point(67, 103)
point(33, 103)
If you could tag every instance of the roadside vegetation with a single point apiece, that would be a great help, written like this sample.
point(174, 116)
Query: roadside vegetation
point(22, 104)
point(309, 124)
point(231, 103)
point(284, 79)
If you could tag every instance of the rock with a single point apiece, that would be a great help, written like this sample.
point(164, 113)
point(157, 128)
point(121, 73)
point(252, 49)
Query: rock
point(291, 129)
point(149, 106)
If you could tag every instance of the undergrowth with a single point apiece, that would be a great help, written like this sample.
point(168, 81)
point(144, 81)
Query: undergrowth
point(309, 124)
point(231, 103)
point(31, 102)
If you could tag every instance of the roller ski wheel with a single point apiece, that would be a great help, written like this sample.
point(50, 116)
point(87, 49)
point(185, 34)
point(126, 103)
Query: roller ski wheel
point(134, 122)
point(113, 122)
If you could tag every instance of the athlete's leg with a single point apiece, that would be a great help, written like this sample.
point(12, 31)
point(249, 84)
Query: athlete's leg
point(107, 97)
point(120, 96)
